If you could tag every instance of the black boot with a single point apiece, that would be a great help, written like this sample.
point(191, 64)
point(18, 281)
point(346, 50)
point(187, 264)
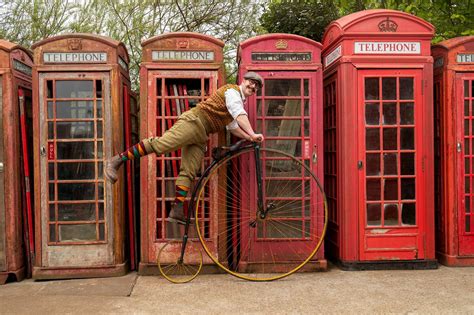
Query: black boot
point(177, 214)
point(112, 166)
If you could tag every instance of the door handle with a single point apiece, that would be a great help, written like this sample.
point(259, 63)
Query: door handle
point(43, 151)
point(1, 167)
point(458, 147)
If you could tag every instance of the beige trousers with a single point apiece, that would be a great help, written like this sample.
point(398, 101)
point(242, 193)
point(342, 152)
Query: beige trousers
point(189, 134)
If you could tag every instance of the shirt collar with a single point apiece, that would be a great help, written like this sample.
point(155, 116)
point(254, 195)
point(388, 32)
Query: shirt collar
point(242, 94)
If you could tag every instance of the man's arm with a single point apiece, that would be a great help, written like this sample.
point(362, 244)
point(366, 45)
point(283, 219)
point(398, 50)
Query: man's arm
point(246, 127)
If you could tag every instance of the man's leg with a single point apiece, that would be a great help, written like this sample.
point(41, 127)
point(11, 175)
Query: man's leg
point(113, 164)
point(191, 160)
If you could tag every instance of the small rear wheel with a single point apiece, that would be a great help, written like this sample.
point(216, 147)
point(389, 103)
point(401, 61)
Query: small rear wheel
point(178, 270)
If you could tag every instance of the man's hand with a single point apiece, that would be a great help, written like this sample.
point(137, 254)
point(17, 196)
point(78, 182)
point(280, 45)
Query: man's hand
point(256, 137)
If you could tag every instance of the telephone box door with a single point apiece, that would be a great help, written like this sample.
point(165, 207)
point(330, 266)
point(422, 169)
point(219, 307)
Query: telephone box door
point(75, 131)
point(391, 203)
point(465, 134)
point(3, 262)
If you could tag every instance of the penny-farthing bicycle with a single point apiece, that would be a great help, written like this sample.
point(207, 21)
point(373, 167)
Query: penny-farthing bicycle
point(266, 230)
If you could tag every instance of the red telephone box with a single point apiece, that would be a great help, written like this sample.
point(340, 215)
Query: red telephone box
point(80, 82)
point(454, 147)
point(288, 112)
point(178, 71)
point(16, 137)
point(378, 129)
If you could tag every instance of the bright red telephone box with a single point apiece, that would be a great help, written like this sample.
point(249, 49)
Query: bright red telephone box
point(454, 147)
point(378, 130)
point(16, 138)
point(288, 112)
point(80, 84)
point(178, 71)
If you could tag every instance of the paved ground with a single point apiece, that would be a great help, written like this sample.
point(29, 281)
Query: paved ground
point(442, 291)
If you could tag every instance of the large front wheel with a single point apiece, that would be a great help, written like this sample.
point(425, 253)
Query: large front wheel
point(261, 243)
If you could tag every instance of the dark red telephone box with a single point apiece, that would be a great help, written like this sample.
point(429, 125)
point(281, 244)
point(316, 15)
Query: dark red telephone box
point(378, 129)
point(80, 82)
point(178, 71)
point(454, 147)
point(288, 112)
point(16, 138)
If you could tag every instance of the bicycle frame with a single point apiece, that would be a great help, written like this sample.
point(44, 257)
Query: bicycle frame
point(217, 157)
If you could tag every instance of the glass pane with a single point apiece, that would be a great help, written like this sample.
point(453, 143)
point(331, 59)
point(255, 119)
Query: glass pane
point(50, 110)
point(102, 232)
point(409, 213)
point(466, 146)
point(408, 188)
point(407, 138)
point(406, 88)
point(74, 130)
point(466, 88)
point(284, 229)
point(466, 108)
point(51, 190)
point(52, 212)
point(52, 233)
point(373, 214)
point(49, 89)
point(372, 139)
point(51, 171)
point(50, 130)
point(76, 171)
point(74, 109)
point(77, 232)
point(74, 89)
point(467, 184)
point(282, 87)
point(407, 113)
point(372, 114)
point(373, 189)
point(100, 134)
point(292, 147)
point(98, 88)
point(101, 211)
point(390, 214)
point(391, 189)
point(390, 113)
point(283, 128)
point(306, 87)
point(75, 150)
point(372, 88)
point(466, 127)
point(389, 88)
point(306, 107)
point(373, 164)
point(100, 171)
point(467, 166)
point(407, 163)
point(76, 212)
point(468, 224)
point(390, 138)
point(76, 191)
point(99, 109)
point(282, 108)
point(390, 164)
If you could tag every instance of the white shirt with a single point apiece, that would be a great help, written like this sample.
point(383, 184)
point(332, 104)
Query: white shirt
point(234, 102)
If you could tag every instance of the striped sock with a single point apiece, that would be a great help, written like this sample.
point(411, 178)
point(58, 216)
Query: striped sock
point(181, 192)
point(136, 151)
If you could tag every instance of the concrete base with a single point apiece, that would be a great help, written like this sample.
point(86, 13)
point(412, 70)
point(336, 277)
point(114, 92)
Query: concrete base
point(18, 274)
point(43, 273)
point(455, 261)
point(388, 265)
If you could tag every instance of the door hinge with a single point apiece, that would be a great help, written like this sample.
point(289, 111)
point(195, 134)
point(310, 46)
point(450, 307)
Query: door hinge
point(360, 165)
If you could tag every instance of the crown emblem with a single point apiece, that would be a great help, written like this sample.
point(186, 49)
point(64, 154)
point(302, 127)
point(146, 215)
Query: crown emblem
point(281, 44)
point(74, 44)
point(182, 44)
point(388, 25)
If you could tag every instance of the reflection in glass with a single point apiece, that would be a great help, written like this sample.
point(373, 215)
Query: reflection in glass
point(409, 213)
point(466, 108)
point(77, 232)
point(389, 88)
point(390, 214)
point(74, 130)
point(74, 89)
point(52, 212)
point(292, 147)
point(390, 138)
point(76, 171)
point(373, 189)
point(282, 87)
point(76, 191)
point(374, 214)
point(75, 150)
point(99, 109)
point(390, 113)
point(52, 233)
point(282, 108)
point(407, 113)
point(407, 163)
point(408, 188)
point(372, 114)
point(50, 130)
point(372, 139)
point(101, 232)
point(371, 88)
point(406, 88)
point(283, 128)
point(372, 164)
point(74, 109)
point(76, 212)
point(50, 110)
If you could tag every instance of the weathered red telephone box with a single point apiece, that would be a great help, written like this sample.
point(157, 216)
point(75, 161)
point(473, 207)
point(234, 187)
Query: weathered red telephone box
point(80, 83)
point(454, 147)
point(178, 71)
point(16, 138)
point(288, 112)
point(378, 129)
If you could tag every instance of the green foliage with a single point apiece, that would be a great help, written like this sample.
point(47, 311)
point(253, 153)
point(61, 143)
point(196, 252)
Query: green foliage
point(305, 18)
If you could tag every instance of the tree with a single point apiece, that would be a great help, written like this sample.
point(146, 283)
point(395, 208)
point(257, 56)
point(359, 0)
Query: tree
point(305, 18)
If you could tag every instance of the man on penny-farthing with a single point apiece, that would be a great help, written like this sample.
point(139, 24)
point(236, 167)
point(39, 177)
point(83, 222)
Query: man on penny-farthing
point(223, 109)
